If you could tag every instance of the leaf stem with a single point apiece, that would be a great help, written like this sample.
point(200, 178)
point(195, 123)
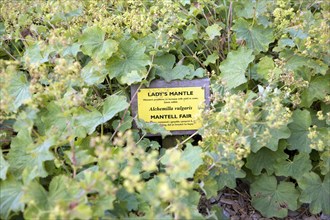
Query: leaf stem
point(229, 21)
point(73, 158)
point(9, 53)
point(109, 83)
point(141, 138)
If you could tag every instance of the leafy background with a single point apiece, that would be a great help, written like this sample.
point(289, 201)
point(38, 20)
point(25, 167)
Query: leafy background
point(68, 149)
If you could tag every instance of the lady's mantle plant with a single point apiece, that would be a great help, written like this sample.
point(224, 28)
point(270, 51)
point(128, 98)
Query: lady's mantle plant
point(68, 149)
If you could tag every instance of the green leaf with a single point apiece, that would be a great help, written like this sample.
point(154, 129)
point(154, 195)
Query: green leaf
point(4, 165)
point(250, 9)
point(299, 131)
point(265, 159)
point(111, 106)
point(272, 199)
point(102, 204)
point(131, 58)
point(126, 124)
point(213, 31)
point(325, 162)
point(152, 128)
point(295, 32)
point(164, 62)
point(282, 132)
point(209, 187)
point(295, 61)
point(62, 190)
point(25, 120)
point(10, 197)
point(82, 157)
point(34, 55)
point(178, 72)
point(132, 77)
point(318, 88)
point(164, 68)
point(145, 143)
point(36, 197)
point(191, 155)
point(17, 156)
point(276, 134)
point(191, 202)
point(265, 65)
point(218, 212)
point(18, 90)
point(53, 117)
point(94, 45)
point(71, 50)
point(24, 155)
point(256, 36)
point(211, 59)
point(129, 199)
point(228, 176)
point(90, 119)
point(284, 42)
point(295, 168)
point(2, 29)
point(94, 72)
point(315, 192)
point(199, 73)
point(190, 33)
point(234, 67)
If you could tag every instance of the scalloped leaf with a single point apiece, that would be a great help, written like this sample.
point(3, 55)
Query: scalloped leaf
point(234, 66)
point(18, 90)
point(4, 165)
point(10, 197)
point(315, 192)
point(277, 134)
point(299, 140)
point(257, 37)
point(152, 128)
point(111, 106)
point(93, 43)
point(213, 31)
point(130, 57)
point(178, 72)
point(295, 168)
point(62, 190)
point(317, 89)
point(94, 72)
point(272, 199)
point(26, 157)
point(227, 176)
point(325, 162)
point(265, 159)
point(192, 155)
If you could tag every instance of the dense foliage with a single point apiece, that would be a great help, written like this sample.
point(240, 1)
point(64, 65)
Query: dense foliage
point(68, 149)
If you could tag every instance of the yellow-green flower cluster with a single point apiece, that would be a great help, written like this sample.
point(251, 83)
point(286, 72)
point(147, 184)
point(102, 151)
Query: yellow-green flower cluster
point(241, 121)
point(124, 166)
point(319, 137)
point(283, 15)
point(318, 33)
point(227, 131)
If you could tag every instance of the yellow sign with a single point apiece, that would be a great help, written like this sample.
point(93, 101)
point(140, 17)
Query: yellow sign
point(174, 108)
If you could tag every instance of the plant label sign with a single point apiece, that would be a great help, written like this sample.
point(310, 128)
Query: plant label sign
point(174, 104)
